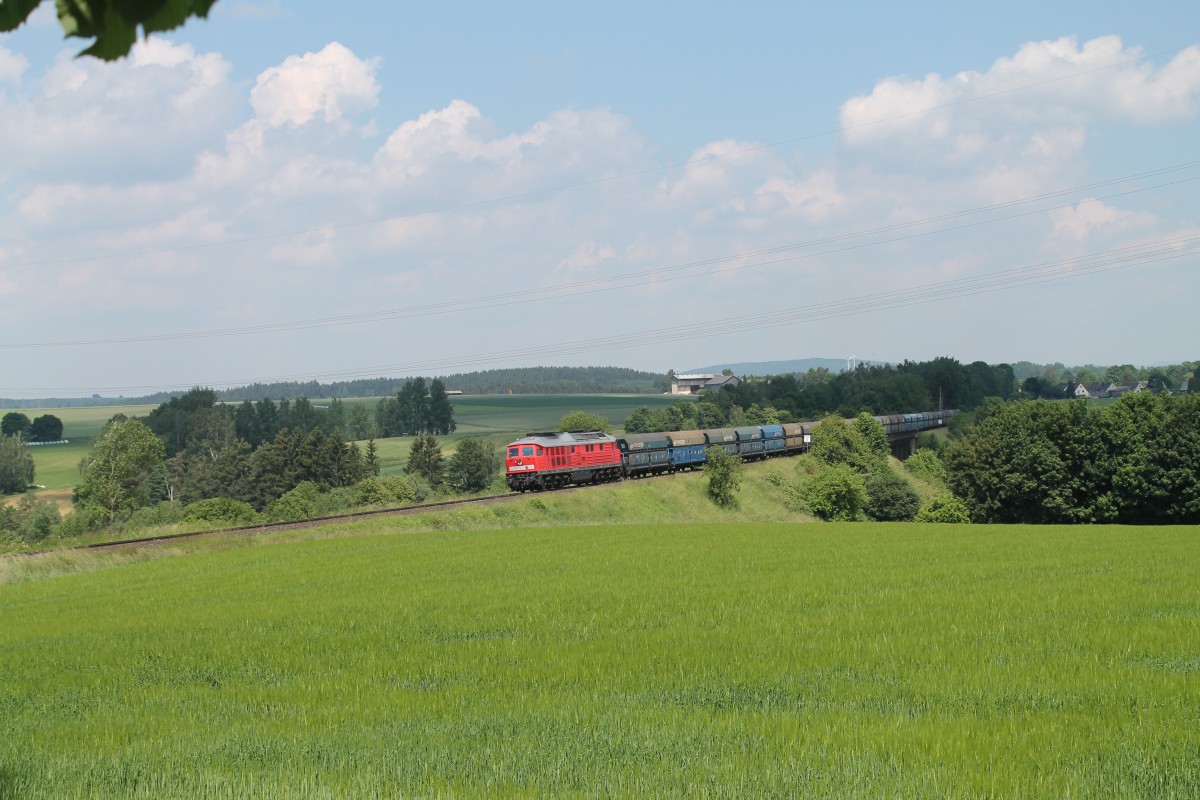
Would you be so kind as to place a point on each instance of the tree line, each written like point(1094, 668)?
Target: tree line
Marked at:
point(46, 428)
point(1048, 377)
point(527, 380)
point(415, 410)
point(878, 389)
point(1136, 461)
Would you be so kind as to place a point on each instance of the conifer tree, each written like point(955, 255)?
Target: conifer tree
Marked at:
point(372, 458)
point(425, 459)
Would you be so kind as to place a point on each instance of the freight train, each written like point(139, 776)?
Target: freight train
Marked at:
point(541, 461)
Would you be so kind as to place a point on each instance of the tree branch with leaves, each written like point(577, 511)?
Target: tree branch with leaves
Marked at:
point(112, 25)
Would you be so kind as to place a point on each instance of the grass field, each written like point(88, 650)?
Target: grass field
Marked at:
point(852, 660)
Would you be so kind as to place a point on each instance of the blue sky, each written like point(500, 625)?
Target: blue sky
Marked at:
point(288, 192)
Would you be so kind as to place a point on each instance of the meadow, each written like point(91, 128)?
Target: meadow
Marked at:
point(726, 659)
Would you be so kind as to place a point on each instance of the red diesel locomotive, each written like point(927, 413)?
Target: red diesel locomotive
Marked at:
point(551, 460)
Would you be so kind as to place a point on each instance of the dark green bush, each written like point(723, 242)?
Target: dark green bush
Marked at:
point(222, 510)
point(890, 498)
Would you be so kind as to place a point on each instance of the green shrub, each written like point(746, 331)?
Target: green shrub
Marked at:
point(84, 519)
point(836, 441)
point(407, 489)
point(890, 498)
point(724, 473)
point(928, 465)
point(945, 509)
point(222, 510)
point(299, 503)
point(932, 442)
point(335, 501)
point(10, 521)
point(161, 514)
point(836, 493)
point(40, 518)
point(372, 492)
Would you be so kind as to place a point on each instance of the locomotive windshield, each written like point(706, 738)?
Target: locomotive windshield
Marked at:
point(513, 451)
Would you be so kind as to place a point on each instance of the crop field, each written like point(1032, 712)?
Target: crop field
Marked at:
point(836, 660)
point(541, 412)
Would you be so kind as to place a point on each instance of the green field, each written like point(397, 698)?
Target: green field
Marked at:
point(498, 416)
point(519, 414)
point(852, 660)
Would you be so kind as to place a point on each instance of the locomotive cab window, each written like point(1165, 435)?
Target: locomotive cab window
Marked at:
point(514, 451)
point(527, 450)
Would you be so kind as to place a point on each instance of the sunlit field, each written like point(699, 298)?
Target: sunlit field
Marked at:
point(852, 660)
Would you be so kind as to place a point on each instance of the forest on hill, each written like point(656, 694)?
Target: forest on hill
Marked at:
point(520, 380)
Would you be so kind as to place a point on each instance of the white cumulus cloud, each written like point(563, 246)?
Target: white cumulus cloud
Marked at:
point(331, 84)
point(1045, 85)
point(12, 65)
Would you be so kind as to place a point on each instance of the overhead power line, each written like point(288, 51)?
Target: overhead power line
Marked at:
point(641, 278)
point(1147, 253)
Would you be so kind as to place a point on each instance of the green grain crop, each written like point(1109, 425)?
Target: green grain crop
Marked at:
point(852, 660)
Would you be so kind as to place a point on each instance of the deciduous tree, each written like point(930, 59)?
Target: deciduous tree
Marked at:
point(1034, 462)
point(15, 423)
point(890, 498)
point(724, 473)
point(46, 428)
point(124, 455)
point(111, 24)
point(578, 421)
point(361, 426)
point(873, 435)
point(16, 465)
point(836, 493)
point(440, 412)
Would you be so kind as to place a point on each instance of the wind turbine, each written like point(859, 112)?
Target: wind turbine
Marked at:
point(850, 363)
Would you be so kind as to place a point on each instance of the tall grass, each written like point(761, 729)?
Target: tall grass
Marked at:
point(725, 659)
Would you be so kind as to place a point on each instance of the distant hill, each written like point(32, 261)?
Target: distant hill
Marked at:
point(779, 367)
point(521, 380)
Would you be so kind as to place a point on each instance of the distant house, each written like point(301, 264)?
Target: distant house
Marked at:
point(1102, 389)
point(1074, 390)
point(719, 382)
point(689, 384)
point(1183, 386)
point(1132, 388)
point(694, 384)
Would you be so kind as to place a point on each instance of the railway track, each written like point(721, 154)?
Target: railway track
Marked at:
point(274, 527)
point(301, 524)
